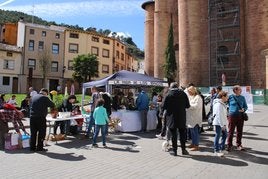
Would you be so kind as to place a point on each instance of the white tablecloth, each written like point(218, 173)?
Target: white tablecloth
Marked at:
point(130, 120)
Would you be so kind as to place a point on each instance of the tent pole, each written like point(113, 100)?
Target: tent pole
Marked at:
point(83, 96)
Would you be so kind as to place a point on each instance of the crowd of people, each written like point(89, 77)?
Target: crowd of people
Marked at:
point(179, 110)
point(183, 112)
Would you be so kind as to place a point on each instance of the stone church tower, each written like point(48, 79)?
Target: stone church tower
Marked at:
point(212, 38)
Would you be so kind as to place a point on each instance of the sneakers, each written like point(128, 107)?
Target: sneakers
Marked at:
point(159, 136)
point(219, 154)
point(241, 148)
point(185, 152)
point(95, 145)
point(224, 152)
point(104, 146)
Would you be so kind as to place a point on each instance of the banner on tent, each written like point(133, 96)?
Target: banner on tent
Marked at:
point(142, 83)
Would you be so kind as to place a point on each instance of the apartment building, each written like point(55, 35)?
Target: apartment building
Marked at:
point(41, 45)
point(59, 46)
point(119, 56)
point(131, 63)
point(81, 42)
point(10, 63)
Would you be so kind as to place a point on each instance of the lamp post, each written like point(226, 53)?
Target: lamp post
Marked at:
point(62, 80)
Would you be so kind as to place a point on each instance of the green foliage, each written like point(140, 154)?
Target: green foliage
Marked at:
point(170, 65)
point(14, 17)
point(85, 67)
point(58, 100)
point(105, 32)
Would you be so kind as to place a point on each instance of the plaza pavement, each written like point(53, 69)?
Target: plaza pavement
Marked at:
point(137, 155)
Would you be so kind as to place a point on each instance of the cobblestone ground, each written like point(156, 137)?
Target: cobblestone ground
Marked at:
point(136, 155)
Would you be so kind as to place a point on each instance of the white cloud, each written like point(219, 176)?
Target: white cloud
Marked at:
point(6, 2)
point(124, 34)
point(90, 8)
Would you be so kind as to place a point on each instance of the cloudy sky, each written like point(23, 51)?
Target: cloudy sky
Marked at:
point(124, 16)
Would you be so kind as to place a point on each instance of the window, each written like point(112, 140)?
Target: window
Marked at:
point(32, 31)
point(9, 64)
point(117, 54)
point(31, 63)
point(70, 65)
point(40, 45)
point(9, 54)
point(31, 45)
point(44, 33)
point(117, 44)
point(95, 51)
point(106, 41)
point(55, 48)
point(105, 68)
point(95, 39)
point(105, 53)
point(74, 35)
point(6, 80)
point(54, 66)
point(122, 57)
point(122, 47)
point(73, 48)
point(57, 36)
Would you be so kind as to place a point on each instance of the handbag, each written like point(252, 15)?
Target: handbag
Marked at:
point(211, 118)
point(244, 115)
point(24, 141)
point(11, 141)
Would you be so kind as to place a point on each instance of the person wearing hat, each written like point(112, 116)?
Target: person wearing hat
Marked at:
point(38, 113)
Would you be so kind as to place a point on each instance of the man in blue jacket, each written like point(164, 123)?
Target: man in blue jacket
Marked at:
point(143, 107)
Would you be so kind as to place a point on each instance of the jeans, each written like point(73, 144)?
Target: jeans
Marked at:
point(96, 133)
point(195, 135)
point(90, 120)
point(219, 133)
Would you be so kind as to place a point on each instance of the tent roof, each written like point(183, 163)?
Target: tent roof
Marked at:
point(127, 78)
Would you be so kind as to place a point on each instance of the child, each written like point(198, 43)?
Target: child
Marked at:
point(101, 118)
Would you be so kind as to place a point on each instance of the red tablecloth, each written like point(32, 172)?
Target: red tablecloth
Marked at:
point(13, 116)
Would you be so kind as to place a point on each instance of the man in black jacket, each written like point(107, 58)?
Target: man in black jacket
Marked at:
point(175, 104)
point(38, 113)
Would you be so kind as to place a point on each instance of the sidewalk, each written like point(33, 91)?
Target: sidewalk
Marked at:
point(136, 155)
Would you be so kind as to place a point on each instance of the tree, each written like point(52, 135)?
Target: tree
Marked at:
point(85, 67)
point(44, 59)
point(170, 65)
